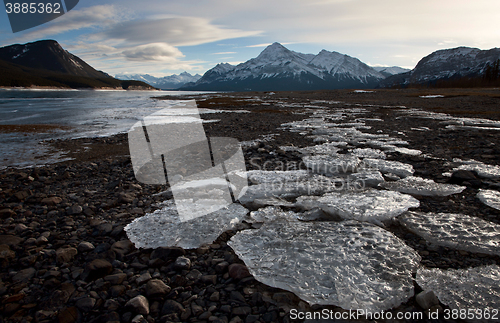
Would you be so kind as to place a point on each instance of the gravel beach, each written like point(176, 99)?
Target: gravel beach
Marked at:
point(64, 255)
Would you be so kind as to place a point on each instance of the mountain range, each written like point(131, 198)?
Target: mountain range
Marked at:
point(171, 82)
point(278, 68)
point(46, 63)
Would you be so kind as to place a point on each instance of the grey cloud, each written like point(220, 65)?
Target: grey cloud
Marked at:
point(153, 52)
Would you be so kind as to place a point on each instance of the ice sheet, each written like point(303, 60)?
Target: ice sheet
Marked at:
point(490, 198)
point(325, 164)
point(423, 186)
point(349, 264)
point(164, 228)
point(370, 205)
point(474, 290)
point(457, 231)
point(368, 153)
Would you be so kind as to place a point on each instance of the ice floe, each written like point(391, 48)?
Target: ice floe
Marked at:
point(368, 153)
point(457, 231)
point(407, 151)
point(164, 228)
point(261, 176)
point(349, 264)
point(329, 148)
point(326, 164)
point(389, 166)
point(370, 205)
point(474, 291)
point(482, 170)
point(490, 198)
point(423, 186)
point(366, 178)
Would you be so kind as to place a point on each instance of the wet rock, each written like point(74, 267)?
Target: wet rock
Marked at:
point(65, 255)
point(122, 247)
point(460, 176)
point(426, 299)
point(68, 315)
point(139, 304)
point(86, 304)
point(167, 253)
point(143, 278)
point(85, 246)
point(7, 213)
point(24, 275)
point(10, 240)
point(182, 263)
point(172, 307)
point(238, 271)
point(75, 209)
point(115, 279)
point(97, 268)
point(54, 200)
point(157, 288)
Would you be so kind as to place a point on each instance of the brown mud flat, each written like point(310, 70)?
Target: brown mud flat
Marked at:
point(65, 256)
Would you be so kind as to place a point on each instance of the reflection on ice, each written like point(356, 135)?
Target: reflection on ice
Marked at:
point(457, 231)
point(350, 264)
point(474, 289)
point(165, 228)
point(490, 198)
point(423, 186)
point(371, 205)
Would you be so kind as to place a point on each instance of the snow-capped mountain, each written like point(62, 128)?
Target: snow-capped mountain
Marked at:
point(390, 70)
point(447, 64)
point(278, 68)
point(171, 82)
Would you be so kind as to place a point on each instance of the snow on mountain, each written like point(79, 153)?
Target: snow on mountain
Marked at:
point(167, 83)
point(391, 70)
point(278, 68)
point(446, 64)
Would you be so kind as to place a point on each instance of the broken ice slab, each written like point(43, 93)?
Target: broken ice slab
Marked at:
point(329, 148)
point(366, 178)
point(482, 170)
point(314, 185)
point(389, 166)
point(325, 164)
point(475, 289)
point(368, 153)
point(422, 186)
point(457, 231)
point(408, 151)
point(490, 198)
point(270, 214)
point(370, 205)
point(164, 228)
point(261, 176)
point(349, 264)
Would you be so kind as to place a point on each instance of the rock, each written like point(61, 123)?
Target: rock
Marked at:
point(238, 271)
point(427, 299)
point(10, 240)
point(242, 310)
point(172, 307)
point(460, 176)
point(139, 319)
point(65, 255)
point(143, 278)
point(209, 279)
point(85, 246)
point(69, 315)
point(97, 268)
point(75, 209)
point(182, 263)
point(85, 304)
point(52, 200)
point(215, 297)
point(6, 255)
point(167, 253)
point(122, 247)
point(139, 304)
point(21, 195)
point(24, 275)
point(116, 279)
point(157, 288)
point(117, 290)
point(7, 213)
point(194, 275)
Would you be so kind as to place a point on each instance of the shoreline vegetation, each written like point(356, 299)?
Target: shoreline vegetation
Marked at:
point(65, 256)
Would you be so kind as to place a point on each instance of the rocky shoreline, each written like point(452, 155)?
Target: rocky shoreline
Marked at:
point(65, 257)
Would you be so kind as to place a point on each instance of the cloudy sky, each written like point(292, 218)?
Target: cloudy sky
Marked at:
point(171, 36)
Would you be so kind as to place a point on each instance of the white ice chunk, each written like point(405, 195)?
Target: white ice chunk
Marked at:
point(389, 166)
point(490, 198)
point(260, 176)
point(324, 164)
point(164, 228)
point(329, 148)
point(407, 151)
point(367, 178)
point(272, 213)
point(457, 231)
point(349, 264)
point(475, 289)
point(482, 170)
point(370, 205)
point(368, 153)
point(423, 186)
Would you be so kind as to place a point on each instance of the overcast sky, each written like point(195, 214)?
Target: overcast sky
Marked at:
point(166, 37)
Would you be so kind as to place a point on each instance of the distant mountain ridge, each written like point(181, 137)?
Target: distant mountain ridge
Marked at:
point(46, 63)
point(446, 65)
point(278, 68)
point(170, 82)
